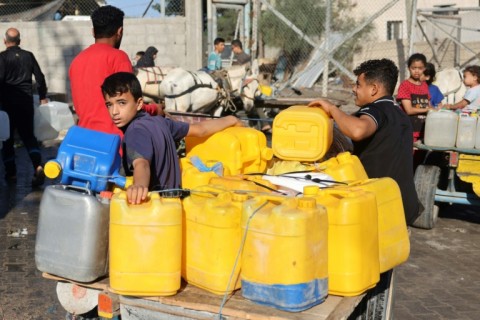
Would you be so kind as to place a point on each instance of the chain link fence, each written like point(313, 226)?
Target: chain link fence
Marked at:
point(41, 10)
point(308, 38)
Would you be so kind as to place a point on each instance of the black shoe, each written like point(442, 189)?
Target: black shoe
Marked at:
point(38, 177)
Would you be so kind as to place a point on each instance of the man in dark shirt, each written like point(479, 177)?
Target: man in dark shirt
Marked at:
point(381, 132)
point(17, 100)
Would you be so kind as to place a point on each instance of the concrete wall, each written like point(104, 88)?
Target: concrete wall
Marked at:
point(56, 43)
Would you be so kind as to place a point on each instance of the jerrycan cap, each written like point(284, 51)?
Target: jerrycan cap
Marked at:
point(106, 194)
point(310, 190)
point(306, 203)
point(52, 169)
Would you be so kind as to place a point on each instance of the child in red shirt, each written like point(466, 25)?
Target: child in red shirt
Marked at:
point(413, 94)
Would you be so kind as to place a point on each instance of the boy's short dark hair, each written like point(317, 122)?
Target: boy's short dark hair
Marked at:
point(474, 70)
point(430, 71)
point(384, 71)
point(122, 82)
point(417, 57)
point(218, 40)
point(106, 21)
point(237, 43)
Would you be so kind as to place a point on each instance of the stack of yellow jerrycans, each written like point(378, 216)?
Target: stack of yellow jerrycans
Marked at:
point(236, 229)
point(72, 233)
point(239, 151)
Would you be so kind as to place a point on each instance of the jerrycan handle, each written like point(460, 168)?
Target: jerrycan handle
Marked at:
point(80, 189)
point(274, 198)
point(214, 190)
point(345, 193)
point(120, 181)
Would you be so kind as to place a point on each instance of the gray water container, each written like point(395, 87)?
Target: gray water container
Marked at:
point(72, 234)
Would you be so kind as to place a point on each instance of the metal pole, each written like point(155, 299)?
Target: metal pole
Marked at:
point(327, 56)
point(477, 55)
point(413, 21)
point(209, 26)
point(434, 52)
point(248, 8)
point(459, 38)
point(256, 12)
point(148, 7)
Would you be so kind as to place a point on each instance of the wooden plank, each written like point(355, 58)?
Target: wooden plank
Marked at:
point(190, 297)
point(193, 298)
point(100, 284)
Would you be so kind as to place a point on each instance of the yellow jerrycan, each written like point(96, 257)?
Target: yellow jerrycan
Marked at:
point(284, 260)
point(212, 236)
point(394, 244)
point(255, 153)
point(353, 264)
point(221, 147)
point(301, 133)
point(193, 177)
point(240, 150)
point(145, 246)
point(344, 167)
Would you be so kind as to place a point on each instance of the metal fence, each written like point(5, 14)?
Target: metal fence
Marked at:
point(310, 38)
point(41, 10)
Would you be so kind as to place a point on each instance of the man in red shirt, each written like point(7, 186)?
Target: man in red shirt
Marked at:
point(90, 68)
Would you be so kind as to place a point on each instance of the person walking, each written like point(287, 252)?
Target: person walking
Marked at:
point(17, 100)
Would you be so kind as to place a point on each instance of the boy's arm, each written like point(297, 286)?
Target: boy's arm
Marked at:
point(353, 127)
point(138, 191)
point(209, 127)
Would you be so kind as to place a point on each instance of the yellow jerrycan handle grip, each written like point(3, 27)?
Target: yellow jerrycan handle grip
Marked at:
point(122, 195)
point(276, 198)
point(217, 191)
point(315, 190)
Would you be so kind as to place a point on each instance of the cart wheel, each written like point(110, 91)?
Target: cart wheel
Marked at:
point(426, 181)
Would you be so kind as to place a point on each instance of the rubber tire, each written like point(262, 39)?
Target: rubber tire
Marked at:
point(378, 302)
point(426, 180)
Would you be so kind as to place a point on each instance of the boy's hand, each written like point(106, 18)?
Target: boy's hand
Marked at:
point(238, 122)
point(137, 194)
point(327, 106)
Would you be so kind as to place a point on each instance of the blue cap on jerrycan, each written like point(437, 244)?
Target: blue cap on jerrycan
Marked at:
point(87, 158)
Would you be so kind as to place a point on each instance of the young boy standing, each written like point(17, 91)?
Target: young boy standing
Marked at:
point(471, 99)
point(381, 132)
point(149, 141)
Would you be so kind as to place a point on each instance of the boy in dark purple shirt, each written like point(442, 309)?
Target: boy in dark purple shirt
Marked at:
point(149, 141)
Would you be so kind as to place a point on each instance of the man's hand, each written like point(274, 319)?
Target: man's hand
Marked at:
point(137, 194)
point(44, 101)
point(327, 106)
